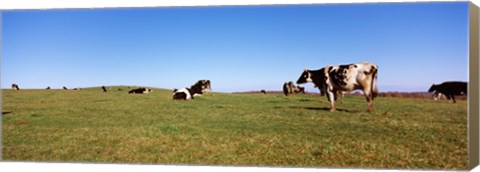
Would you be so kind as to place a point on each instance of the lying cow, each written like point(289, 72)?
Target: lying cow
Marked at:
point(140, 90)
point(334, 79)
point(197, 89)
point(449, 89)
point(290, 88)
point(438, 96)
point(15, 87)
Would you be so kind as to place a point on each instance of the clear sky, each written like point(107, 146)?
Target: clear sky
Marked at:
point(238, 48)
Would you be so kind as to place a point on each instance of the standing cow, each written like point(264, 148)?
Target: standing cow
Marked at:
point(451, 88)
point(334, 79)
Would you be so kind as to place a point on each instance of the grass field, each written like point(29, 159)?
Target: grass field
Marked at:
point(89, 125)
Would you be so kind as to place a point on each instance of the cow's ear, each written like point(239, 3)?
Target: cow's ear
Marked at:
point(306, 70)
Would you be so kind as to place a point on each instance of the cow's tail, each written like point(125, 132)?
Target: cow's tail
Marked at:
point(374, 88)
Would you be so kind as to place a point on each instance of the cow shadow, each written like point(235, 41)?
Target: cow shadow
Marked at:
point(304, 100)
point(6, 112)
point(320, 109)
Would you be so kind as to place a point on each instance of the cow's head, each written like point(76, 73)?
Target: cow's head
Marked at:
point(305, 77)
point(204, 84)
point(432, 88)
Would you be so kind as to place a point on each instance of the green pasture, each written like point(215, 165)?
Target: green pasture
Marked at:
point(225, 129)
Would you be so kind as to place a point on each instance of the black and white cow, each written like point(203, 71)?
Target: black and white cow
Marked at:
point(140, 90)
point(290, 88)
point(104, 88)
point(197, 89)
point(334, 79)
point(15, 87)
point(451, 88)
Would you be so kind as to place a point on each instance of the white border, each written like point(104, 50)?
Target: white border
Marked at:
point(62, 4)
point(74, 4)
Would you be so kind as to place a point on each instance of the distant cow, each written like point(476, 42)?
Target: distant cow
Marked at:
point(290, 88)
point(263, 91)
point(332, 79)
point(140, 90)
point(104, 88)
point(197, 89)
point(65, 88)
point(15, 87)
point(449, 89)
point(48, 88)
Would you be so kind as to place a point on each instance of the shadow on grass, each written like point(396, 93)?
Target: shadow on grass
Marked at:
point(5, 113)
point(316, 108)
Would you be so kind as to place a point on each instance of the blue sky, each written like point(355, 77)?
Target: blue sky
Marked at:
point(238, 48)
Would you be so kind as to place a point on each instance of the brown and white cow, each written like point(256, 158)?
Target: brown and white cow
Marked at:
point(332, 79)
point(290, 88)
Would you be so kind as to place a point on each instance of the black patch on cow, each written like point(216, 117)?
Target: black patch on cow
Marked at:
point(180, 96)
point(338, 76)
point(344, 66)
point(285, 89)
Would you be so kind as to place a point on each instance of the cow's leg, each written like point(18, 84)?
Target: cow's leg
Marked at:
point(453, 98)
point(448, 97)
point(340, 95)
point(369, 96)
point(331, 95)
